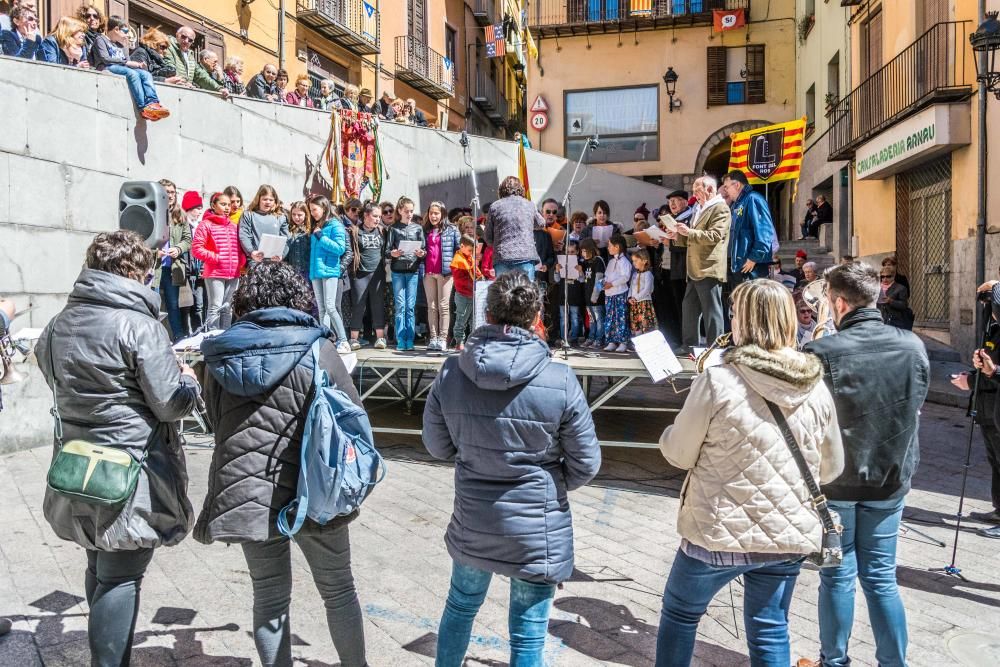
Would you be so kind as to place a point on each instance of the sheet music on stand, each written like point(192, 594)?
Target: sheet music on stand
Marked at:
point(654, 351)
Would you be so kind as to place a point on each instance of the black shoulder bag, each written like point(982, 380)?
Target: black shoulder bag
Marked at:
point(831, 553)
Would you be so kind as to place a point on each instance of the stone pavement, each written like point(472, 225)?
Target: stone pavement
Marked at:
point(196, 599)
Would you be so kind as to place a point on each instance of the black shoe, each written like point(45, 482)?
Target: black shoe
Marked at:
point(986, 517)
point(992, 533)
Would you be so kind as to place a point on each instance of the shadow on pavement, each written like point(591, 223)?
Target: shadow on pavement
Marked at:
point(953, 587)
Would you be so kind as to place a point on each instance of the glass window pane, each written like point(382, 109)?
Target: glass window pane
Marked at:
point(617, 111)
point(637, 148)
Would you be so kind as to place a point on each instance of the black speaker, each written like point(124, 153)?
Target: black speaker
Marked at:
point(143, 209)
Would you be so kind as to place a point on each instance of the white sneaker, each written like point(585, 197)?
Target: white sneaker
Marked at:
point(610, 347)
point(355, 344)
point(343, 347)
point(432, 345)
point(380, 344)
point(622, 348)
point(443, 344)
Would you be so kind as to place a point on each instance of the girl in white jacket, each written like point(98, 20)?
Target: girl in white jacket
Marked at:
point(616, 279)
point(745, 509)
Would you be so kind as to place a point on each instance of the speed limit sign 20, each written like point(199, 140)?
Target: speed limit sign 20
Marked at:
point(539, 121)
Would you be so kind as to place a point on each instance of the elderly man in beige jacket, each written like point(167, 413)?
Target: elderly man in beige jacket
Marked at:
point(707, 241)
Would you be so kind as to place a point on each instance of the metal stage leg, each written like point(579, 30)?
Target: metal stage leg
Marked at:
point(610, 392)
point(383, 380)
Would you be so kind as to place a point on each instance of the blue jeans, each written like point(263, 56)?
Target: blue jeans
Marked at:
point(328, 295)
point(404, 292)
point(171, 298)
point(140, 84)
point(575, 322)
point(690, 588)
point(596, 333)
point(506, 267)
point(527, 620)
point(869, 543)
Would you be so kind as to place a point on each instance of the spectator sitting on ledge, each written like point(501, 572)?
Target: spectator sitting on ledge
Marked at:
point(280, 83)
point(180, 57)
point(208, 74)
point(109, 54)
point(95, 20)
point(67, 45)
point(150, 51)
point(262, 86)
point(327, 95)
point(300, 96)
point(23, 40)
point(233, 76)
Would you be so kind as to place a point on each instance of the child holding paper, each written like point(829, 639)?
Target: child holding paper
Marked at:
point(616, 281)
point(405, 250)
point(264, 216)
point(575, 290)
point(592, 271)
point(642, 317)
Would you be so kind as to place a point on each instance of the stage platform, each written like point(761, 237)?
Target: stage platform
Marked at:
point(404, 378)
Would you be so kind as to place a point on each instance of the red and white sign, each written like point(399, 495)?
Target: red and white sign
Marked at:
point(539, 120)
point(539, 105)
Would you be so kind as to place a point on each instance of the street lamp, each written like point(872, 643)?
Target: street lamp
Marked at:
point(670, 80)
point(985, 43)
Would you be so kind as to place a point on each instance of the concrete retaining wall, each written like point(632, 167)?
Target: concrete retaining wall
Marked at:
point(71, 137)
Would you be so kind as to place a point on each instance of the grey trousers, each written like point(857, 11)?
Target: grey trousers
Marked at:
point(328, 552)
point(113, 581)
point(220, 302)
point(702, 300)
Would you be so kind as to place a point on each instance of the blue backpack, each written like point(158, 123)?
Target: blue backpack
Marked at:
point(340, 465)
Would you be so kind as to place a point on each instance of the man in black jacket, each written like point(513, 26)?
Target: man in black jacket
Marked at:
point(878, 376)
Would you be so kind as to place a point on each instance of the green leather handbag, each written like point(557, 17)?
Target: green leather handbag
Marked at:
point(95, 474)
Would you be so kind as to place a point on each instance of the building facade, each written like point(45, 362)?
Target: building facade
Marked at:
point(601, 66)
point(908, 129)
point(822, 78)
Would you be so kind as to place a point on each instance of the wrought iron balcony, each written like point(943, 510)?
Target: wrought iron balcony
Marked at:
point(424, 68)
point(935, 68)
point(488, 97)
point(563, 18)
point(486, 12)
point(353, 24)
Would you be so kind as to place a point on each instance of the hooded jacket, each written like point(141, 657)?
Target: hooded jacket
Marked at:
point(327, 250)
point(216, 243)
point(258, 389)
point(744, 492)
point(521, 435)
point(879, 376)
point(119, 385)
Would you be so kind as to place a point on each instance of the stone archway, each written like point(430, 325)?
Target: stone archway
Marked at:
point(722, 135)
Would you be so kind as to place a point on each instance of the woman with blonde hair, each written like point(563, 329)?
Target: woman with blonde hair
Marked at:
point(350, 99)
point(67, 45)
point(745, 507)
point(300, 96)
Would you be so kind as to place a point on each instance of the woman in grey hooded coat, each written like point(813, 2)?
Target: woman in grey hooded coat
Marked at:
point(108, 360)
point(521, 435)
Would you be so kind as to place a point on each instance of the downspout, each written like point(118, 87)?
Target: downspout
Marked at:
point(981, 177)
point(281, 34)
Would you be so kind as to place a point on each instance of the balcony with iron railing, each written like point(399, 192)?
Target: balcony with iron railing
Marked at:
point(564, 18)
point(937, 67)
point(423, 68)
point(490, 99)
point(353, 24)
point(486, 12)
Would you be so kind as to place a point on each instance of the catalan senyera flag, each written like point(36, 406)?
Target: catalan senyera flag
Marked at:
point(640, 7)
point(769, 154)
point(728, 19)
point(522, 169)
point(496, 41)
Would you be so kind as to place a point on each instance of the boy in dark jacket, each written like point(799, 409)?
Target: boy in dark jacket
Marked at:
point(878, 376)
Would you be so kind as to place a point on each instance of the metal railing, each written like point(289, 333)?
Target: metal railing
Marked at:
point(486, 12)
point(934, 68)
point(354, 24)
point(552, 14)
point(424, 68)
point(485, 94)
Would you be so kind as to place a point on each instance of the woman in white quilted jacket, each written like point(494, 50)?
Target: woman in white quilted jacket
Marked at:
point(745, 509)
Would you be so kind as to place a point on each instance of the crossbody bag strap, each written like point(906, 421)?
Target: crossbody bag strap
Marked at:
point(818, 499)
point(58, 428)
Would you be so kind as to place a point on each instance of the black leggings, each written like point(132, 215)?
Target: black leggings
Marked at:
point(368, 293)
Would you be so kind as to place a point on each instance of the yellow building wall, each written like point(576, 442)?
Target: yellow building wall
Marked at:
point(632, 59)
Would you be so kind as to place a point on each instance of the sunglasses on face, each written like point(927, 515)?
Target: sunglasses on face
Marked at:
point(886, 277)
point(186, 39)
point(93, 16)
point(550, 212)
point(387, 211)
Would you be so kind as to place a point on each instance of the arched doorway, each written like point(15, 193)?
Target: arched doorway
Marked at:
point(713, 158)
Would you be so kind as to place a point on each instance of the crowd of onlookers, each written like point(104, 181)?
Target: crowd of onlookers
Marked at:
point(89, 39)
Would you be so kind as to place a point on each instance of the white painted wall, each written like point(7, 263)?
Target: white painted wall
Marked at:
point(71, 137)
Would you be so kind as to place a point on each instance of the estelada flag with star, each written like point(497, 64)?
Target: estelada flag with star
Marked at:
point(769, 154)
point(728, 19)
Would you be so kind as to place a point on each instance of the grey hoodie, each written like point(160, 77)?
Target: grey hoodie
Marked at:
point(518, 427)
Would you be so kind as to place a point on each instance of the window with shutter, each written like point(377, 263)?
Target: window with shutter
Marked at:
point(716, 75)
point(755, 74)
point(118, 8)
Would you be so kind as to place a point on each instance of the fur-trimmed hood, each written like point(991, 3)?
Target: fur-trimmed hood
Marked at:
point(784, 376)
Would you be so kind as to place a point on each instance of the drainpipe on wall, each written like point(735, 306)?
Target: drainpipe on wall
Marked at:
point(377, 93)
point(981, 155)
point(281, 34)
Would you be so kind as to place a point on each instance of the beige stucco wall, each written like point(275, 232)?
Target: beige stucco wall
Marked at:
point(600, 61)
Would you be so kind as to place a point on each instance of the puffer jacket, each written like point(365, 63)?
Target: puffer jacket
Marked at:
point(744, 492)
point(518, 427)
point(328, 247)
point(119, 385)
point(258, 382)
point(216, 243)
point(450, 239)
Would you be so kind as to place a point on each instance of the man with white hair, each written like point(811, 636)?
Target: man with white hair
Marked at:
point(208, 74)
point(180, 56)
point(809, 274)
point(707, 242)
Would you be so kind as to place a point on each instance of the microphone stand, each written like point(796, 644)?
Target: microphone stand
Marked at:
point(467, 158)
point(592, 143)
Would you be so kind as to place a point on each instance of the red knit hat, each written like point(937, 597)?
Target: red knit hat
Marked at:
point(801, 253)
point(191, 200)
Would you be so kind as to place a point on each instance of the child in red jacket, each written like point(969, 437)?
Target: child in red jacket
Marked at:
point(462, 267)
point(216, 243)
